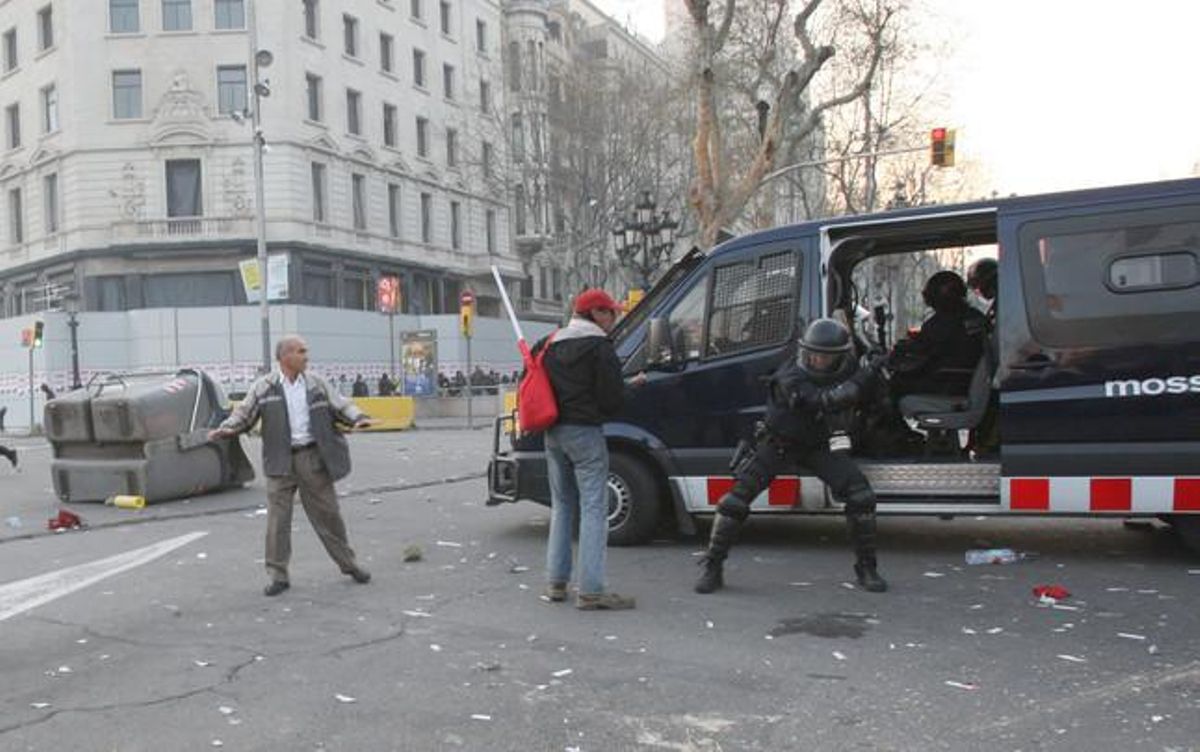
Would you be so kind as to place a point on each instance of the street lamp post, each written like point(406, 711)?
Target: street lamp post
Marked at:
point(260, 59)
point(643, 239)
point(71, 303)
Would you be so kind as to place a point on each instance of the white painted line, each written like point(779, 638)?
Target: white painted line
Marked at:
point(23, 595)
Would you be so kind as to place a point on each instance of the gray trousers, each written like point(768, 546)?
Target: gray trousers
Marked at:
point(319, 498)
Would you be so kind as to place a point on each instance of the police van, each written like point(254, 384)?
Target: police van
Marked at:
point(1090, 371)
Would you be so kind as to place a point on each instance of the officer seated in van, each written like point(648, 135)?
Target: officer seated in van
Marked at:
point(942, 356)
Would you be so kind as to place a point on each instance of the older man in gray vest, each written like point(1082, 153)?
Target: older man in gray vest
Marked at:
point(301, 451)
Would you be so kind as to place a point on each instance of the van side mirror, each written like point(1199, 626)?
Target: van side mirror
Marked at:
point(658, 344)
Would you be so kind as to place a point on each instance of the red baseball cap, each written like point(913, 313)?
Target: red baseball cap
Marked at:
point(595, 299)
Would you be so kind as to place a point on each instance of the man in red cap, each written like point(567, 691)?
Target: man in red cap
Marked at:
point(586, 375)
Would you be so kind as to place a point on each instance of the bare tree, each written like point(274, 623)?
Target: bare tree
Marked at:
point(743, 125)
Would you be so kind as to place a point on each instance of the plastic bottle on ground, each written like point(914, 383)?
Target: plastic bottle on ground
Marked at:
point(994, 556)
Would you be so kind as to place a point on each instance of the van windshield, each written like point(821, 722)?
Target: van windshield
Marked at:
point(641, 311)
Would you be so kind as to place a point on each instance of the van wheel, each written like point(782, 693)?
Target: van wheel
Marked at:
point(633, 503)
point(1187, 526)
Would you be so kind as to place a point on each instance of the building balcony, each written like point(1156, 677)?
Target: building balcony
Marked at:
point(183, 229)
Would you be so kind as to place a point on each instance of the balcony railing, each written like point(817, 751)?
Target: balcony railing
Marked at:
point(184, 228)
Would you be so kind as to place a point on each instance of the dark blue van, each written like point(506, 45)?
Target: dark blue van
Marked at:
point(1091, 371)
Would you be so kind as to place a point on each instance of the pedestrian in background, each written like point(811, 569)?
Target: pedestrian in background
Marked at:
point(301, 452)
point(586, 376)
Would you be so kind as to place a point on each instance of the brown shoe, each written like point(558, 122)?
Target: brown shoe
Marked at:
point(604, 602)
point(556, 592)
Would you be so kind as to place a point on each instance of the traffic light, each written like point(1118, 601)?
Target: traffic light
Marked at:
point(467, 320)
point(941, 147)
point(37, 333)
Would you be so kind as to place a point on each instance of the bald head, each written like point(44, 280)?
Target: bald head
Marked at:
point(292, 353)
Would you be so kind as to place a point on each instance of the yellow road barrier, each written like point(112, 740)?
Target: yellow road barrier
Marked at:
point(394, 413)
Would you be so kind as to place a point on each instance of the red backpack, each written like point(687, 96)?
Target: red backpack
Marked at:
point(537, 409)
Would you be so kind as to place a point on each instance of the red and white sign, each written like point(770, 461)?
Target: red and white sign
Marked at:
point(387, 294)
point(466, 298)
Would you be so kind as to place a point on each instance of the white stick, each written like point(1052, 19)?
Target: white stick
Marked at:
point(516, 325)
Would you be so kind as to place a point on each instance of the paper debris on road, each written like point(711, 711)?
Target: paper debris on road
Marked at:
point(708, 624)
point(995, 630)
point(435, 648)
point(39, 705)
point(449, 544)
point(201, 664)
point(839, 655)
point(968, 630)
point(935, 574)
point(226, 710)
point(418, 614)
point(563, 672)
point(345, 698)
point(480, 717)
point(1072, 658)
point(960, 685)
point(1129, 636)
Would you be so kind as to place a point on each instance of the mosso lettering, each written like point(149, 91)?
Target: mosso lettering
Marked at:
point(1152, 387)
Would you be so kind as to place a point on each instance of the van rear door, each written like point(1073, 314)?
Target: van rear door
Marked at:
point(1099, 316)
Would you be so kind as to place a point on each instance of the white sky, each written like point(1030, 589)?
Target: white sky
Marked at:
point(1058, 94)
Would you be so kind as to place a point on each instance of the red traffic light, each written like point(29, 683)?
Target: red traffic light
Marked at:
point(466, 297)
point(941, 147)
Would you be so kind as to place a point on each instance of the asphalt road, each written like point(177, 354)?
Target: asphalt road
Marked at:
point(457, 651)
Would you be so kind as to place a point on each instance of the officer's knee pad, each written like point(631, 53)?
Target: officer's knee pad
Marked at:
point(733, 507)
point(860, 500)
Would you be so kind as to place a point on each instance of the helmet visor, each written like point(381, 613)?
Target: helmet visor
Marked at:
point(820, 362)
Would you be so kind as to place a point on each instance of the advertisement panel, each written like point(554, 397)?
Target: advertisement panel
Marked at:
point(419, 362)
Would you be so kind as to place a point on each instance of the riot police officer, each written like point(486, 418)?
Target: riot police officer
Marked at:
point(810, 406)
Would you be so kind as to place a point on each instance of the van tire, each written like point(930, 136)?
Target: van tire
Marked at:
point(1187, 527)
point(633, 503)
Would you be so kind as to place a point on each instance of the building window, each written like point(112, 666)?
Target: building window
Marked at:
point(10, 50)
point(518, 137)
point(231, 89)
point(489, 229)
point(445, 9)
point(386, 56)
point(12, 117)
point(318, 192)
point(313, 88)
point(485, 97)
point(514, 66)
point(415, 9)
point(422, 137)
point(389, 125)
point(46, 28)
point(419, 68)
point(394, 210)
point(427, 217)
point(487, 157)
point(184, 192)
point(354, 112)
point(230, 14)
point(451, 147)
point(448, 80)
point(531, 53)
point(312, 21)
point(480, 35)
point(455, 225)
point(16, 217)
point(123, 17)
point(50, 202)
point(127, 94)
point(50, 109)
point(177, 15)
point(519, 206)
point(350, 34)
point(358, 191)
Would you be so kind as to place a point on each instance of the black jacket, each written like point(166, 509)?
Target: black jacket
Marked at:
point(802, 411)
point(948, 340)
point(585, 373)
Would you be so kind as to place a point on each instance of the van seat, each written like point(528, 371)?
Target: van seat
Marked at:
point(951, 412)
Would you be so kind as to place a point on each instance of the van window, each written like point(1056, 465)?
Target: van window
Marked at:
point(1111, 280)
point(753, 304)
point(686, 322)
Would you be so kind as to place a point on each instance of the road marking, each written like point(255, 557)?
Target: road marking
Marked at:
point(23, 595)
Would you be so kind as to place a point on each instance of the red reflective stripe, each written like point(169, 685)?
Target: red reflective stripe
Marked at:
point(1112, 494)
point(784, 492)
point(1187, 495)
point(718, 487)
point(1029, 494)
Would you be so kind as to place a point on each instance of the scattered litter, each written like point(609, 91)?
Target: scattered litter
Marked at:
point(1061, 607)
point(435, 648)
point(412, 552)
point(201, 555)
point(345, 698)
point(935, 574)
point(1157, 718)
point(488, 666)
point(449, 544)
point(563, 672)
point(960, 685)
point(1057, 592)
point(81, 641)
point(1116, 590)
point(64, 669)
point(708, 624)
point(226, 710)
point(839, 655)
point(13, 522)
point(374, 500)
point(1072, 658)
point(39, 705)
point(202, 664)
point(848, 586)
point(1152, 650)
point(995, 630)
point(65, 520)
point(976, 607)
point(1147, 592)
point(610, 637)
point(1129, 636)
point(428, 597)
point(993, 556)
point(518, 569)
point(418, 614)
point(218, 743)
point(799, 584)
point(968, 630)
point(480, 717)
point(260, 513)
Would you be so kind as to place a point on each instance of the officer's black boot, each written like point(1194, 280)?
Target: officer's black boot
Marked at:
point(862, 535)
point(712, 574)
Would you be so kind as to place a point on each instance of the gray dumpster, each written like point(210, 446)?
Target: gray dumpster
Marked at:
point(143, 435)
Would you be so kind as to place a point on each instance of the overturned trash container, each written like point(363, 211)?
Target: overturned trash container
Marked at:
point(143, 435)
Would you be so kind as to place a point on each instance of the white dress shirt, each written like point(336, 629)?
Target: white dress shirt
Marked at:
point(295, 394)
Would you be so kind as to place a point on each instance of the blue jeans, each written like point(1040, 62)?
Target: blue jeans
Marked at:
point(577, 463)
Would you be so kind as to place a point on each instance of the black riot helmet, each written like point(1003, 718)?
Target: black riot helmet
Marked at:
point(982, 277)
point(944, 291)
point(825, 350)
